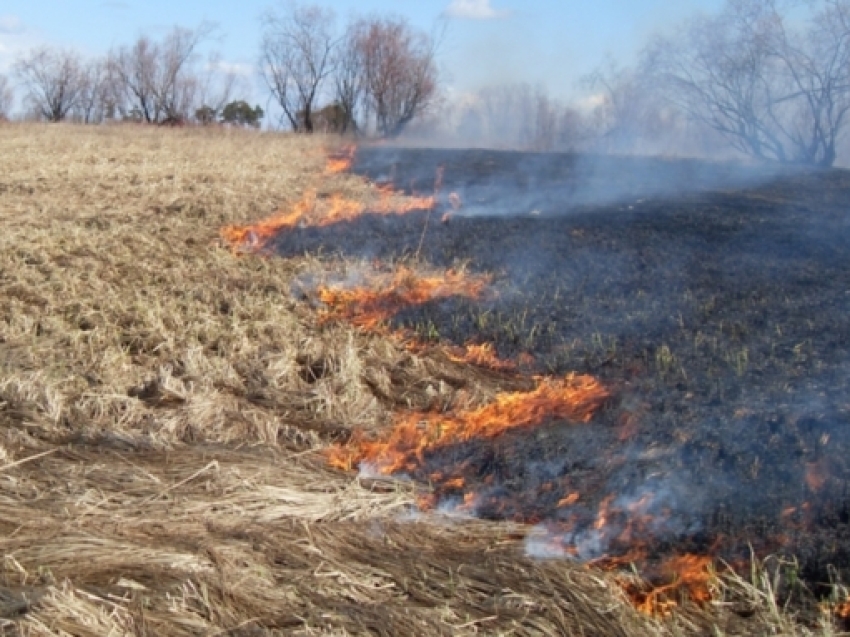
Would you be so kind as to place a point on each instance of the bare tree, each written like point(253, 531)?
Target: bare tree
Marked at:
point(349, 76)
point(7, 97)
point(399, 71)
point(92, 102)
point(514, 116)
point(159, 79)
point(296, 58)
point(214, 89)
point(135, 68)
point(54, 80)
point(628, 113)
point(774, 91)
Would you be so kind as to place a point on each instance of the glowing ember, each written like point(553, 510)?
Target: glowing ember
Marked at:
point(817, 474)
point(383, 297)
point(574, 398)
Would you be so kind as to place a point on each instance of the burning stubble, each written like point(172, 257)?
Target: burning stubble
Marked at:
point(632, 312)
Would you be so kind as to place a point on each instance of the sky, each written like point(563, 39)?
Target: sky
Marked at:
point(548, 42)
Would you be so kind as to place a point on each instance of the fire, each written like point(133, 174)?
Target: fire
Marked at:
point(312, 211)
point(341, 161)
point(574, 398)
point(255, 236)
point(481, 355)
point(569, 500)
point(384, 296)
point(688, 576)
point(843, 609)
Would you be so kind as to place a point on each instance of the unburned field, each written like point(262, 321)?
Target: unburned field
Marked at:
point(169, 402)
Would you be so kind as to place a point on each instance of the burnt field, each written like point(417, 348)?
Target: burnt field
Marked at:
point(712, 301)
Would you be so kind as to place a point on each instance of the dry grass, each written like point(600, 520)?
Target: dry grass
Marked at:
point(162, 418)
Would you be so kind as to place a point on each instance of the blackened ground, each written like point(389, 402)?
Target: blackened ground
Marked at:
point(713, 299)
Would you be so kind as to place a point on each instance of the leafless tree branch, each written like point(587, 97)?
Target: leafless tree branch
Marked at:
point(54, 79)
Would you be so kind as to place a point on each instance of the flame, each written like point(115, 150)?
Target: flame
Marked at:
point(843, 609)
point(574, 398)
point(690, 576)
point(310, 211)
point(569, 500)
point(341, 161)
point(383, 297)
point(481, 355)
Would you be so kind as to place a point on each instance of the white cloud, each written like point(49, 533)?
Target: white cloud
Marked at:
point(234, 68)
point(11, 24)
point(473, 10)
point(15, 40)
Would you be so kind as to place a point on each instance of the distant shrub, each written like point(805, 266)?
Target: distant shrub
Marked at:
point(240, 113)
point(205, 115)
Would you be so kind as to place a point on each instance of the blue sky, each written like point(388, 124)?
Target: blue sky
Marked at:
point(552, 42)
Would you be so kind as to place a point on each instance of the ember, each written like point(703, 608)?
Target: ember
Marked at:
point(843, 609)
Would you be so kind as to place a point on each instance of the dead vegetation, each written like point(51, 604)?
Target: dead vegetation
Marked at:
point(164, 403)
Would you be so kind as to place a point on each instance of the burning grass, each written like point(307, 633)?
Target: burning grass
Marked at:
point(574, 398)
point(380, 297)
point(165, 408)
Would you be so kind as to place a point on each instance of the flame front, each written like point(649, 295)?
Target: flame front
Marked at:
point(373, 304)
point(574, 398)
point(407, 446)
point(341, 161)
point(312, 211)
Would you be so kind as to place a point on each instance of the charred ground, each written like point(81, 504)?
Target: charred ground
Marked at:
point(713, 298)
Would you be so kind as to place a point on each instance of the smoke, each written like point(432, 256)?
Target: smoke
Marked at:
point(491, 183)
point(659, 510)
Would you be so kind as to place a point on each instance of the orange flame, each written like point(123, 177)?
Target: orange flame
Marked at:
point(341, 161)
point(335, 209)
point(481, 355)
point(320, 213)
point(843, 609)
point(372, 305)
point(574, 398)
point(691, 576)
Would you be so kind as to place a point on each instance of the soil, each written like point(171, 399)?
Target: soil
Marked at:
point(713, 300)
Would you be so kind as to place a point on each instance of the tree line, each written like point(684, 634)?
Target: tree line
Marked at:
point(375, 75)
point(766, 78)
